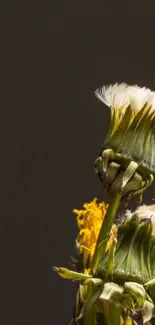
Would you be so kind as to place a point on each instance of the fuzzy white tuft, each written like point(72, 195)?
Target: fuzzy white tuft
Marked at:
point(138, 97)
point(143, 212)
point(114, 95)
point(123, 95)
point(151, 101)
point(147, 212)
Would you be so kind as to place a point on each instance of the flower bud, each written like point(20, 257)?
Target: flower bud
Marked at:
point(132, 133)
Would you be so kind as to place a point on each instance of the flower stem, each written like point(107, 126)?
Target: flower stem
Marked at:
point(90, 318)
point(108, 221)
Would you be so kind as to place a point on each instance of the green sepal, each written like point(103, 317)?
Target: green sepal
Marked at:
point(127, 301)
point(111, 290)
point(129, 172)
point(112, 125)
point(130, 145)
point(149, 283)
point(71, 275)
point(133, 185)
point(137, 291)
point(95, 282)
point(144, 185)
point(116, 136)
point(106, 156)
point(112, 171)
point(147, 311)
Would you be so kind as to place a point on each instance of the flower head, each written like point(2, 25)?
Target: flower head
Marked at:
point(89, 222)
point(132, 128)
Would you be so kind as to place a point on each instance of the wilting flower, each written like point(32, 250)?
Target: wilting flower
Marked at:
point(133, 278)
point(124, 283)
point(117, 277)
point(132, 128)
point(89, 221)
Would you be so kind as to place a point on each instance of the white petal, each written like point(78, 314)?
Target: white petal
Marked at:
point(122, 95)
point(138, 97)
point(114, 95)
point(151, 101)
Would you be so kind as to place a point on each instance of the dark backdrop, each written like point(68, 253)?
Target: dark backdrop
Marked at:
point(52, 58)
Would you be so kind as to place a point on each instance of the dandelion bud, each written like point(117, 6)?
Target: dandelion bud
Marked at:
point(132, 133)
point(128, 162)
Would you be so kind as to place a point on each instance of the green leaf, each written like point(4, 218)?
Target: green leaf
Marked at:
point(68, 274)
point(147, 311)
point(111, 290)
point(136, 290)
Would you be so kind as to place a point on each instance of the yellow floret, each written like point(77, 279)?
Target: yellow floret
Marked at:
point(89, 221)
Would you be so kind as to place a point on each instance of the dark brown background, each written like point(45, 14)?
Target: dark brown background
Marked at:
point(52, 58)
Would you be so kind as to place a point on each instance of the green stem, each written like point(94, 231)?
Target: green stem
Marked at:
point(90, 317)
point(114, 314)
point(105, 229)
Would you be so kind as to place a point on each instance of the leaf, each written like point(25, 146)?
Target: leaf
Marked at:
point(111, 290)
point(136, 290)
point(147, 311)
point(68, 274)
